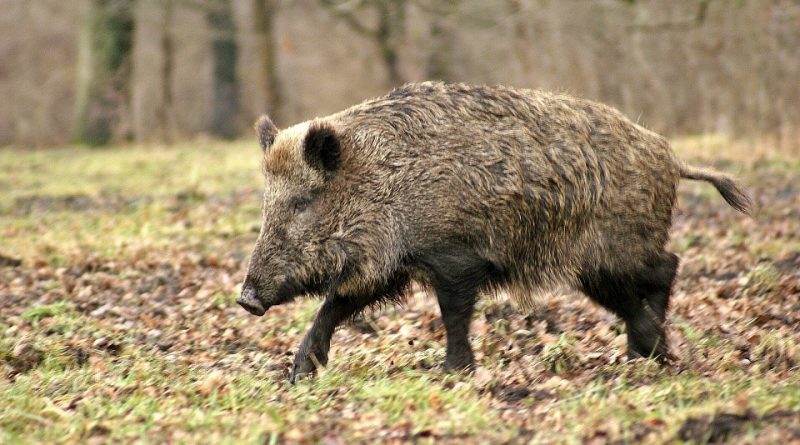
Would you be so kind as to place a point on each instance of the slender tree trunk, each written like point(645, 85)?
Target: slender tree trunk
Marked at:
point(520, 10)
point(225, 54)
point(166, 112)
point(264, 12)
point(104, 69)
point(390, 33)
point(390, 60)
point(440, 57)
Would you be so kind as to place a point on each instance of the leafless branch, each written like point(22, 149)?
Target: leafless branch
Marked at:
point(344, 11)
point(675, 25)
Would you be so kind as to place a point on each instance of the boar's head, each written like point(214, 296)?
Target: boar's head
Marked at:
point(299, 249)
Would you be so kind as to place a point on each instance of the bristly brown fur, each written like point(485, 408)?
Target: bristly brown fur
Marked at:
point(467, 190)
point(266, 131)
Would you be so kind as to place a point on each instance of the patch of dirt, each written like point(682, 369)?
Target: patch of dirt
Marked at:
point(113, 201)
point(7, 261)
point(721, 427)
point(714, 429)
point(517, 393)
point(107, 201)
point(789, 264)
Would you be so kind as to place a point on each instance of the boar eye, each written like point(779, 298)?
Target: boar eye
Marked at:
point(300, 204)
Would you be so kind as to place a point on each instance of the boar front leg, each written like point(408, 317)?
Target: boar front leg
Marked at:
point(317, 342)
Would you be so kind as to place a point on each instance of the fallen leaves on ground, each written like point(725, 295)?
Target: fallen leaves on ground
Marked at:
point(118, 322)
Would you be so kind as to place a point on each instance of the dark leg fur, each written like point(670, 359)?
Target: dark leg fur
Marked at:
point(640, 298)
point(456, 280)
point(656, 287)
point(457, 306)
point(317, 342)
point(336, 310)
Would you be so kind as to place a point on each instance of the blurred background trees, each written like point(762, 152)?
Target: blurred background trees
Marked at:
point(225, 106)
point(103, 69)
point(97, 71)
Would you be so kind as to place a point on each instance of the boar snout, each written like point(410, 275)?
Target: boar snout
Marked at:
point(249, 301)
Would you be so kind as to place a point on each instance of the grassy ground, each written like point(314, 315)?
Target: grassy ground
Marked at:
point(119, 322)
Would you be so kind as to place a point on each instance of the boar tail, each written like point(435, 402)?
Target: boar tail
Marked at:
point(730, 190)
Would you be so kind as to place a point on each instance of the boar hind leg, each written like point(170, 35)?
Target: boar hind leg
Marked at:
point(656, 286)
point(317, 342)
point(456, 281)
point(457, 306)
point(640, 298)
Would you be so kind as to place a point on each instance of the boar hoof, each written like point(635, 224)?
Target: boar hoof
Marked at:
point(660, 357)
point(304, 366)
point(456, 364)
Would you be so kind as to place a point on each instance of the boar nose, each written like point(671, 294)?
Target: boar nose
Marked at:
point(249, 302)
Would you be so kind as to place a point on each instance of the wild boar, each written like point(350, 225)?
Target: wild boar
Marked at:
point(468, 190)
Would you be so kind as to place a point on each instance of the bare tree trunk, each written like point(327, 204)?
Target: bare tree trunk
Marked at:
point(264, 12)
point(104, 69)
point(166, 112)
point(388, 35)
point(440, 50)
point(225, 53)
point(520, 10)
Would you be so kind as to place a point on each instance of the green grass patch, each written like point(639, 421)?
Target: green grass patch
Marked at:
point(121, 323)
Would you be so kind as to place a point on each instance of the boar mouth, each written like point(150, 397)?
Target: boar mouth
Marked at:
point(257, 304)
point(250, 302)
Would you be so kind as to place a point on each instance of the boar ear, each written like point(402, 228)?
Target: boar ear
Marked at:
point(321, 147)
point(266, 131)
